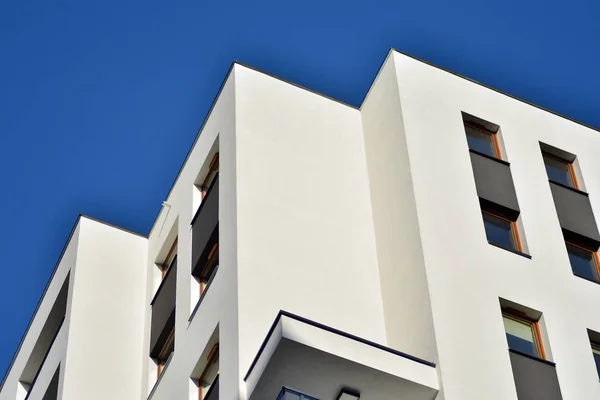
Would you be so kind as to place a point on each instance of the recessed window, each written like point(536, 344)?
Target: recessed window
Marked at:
point(584, 262)
point(209, 269)
point(523, 334)
point(560, 170)
point(170, 260)
point(165, 352)
point(596, 353)
point(501, 231)
point(163, 306)
point(482, 140)
point(210, 377)
point(213, 171)
point(205, 269)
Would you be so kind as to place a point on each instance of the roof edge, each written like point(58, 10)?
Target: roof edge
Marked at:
point(212, 106)
point(497, 90)
point(391, 50)
point(100, 221)
point(189, 153)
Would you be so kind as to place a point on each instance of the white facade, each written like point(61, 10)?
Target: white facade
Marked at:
point(351, 253)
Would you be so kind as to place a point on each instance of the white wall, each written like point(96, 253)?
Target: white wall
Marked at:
point(466, 275)
point(408, 320)
point(104, 354)
point(304, 226)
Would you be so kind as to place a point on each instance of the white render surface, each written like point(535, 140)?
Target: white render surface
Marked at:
point(364, 219)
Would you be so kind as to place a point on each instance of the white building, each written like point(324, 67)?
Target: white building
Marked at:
point(438, 242)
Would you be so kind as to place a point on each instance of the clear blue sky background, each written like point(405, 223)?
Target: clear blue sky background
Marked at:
point(100, 101)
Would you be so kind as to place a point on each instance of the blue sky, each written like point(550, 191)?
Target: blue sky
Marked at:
point(100, 101)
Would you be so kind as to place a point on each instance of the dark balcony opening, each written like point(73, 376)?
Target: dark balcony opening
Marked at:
point(162, 330)
point(204, 224)
point(46, 339)
point(205, 241)
point(208, 261)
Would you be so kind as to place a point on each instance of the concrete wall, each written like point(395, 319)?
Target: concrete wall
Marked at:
point(304, 226)
point(466, 275)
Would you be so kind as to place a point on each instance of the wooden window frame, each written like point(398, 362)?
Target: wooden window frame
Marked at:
point(171, 255)
point(212, 167)
point(513, 227)
point(162, 357)
point(569, 166)
point(594, 256)
point(495, 143)
point(214, 250)
point(535, 325)
point(214, 353)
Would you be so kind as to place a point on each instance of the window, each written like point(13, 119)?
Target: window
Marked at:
point(165, 352)
point(162, 322)
point(560, 171)
point(170, 260)
point(596, 353)
point(210, 376)
point(523, 334)
point(584, 262)
point(209, 269)
point(289, 394)
point(205, 268)
point(213, 170)
point(482, 140)
point(500, 230)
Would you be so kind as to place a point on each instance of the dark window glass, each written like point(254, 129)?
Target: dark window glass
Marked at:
point(499, 231)
point(289, 394)
point(596, 351)
point(480, 141)
point(582, 262)
point(168, 348)
point(211, 265)
point(558, 170)
point(520, 336)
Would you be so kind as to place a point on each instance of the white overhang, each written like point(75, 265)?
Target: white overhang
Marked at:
point(320, 361)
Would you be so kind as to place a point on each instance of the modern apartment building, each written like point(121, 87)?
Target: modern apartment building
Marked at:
point(438, 242)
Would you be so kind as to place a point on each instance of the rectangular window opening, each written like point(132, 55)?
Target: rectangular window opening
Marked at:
point(560, 170)
point(523, 334)
point(584, 261)
point(170, 260)
point(163, 308)
point(482, 140)
point(205, 232)
point(501, 227)
point(213, 171)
